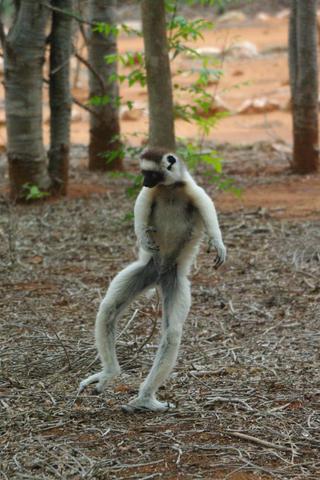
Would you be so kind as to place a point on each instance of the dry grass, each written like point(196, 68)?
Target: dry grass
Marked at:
point(247, 381)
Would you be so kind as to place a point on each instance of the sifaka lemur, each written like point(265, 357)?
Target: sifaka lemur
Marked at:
point(171, 215)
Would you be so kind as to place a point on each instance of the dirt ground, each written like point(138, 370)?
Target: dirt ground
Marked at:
point(246, 386)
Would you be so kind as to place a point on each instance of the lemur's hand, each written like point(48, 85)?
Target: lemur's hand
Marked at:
point(147, 241)
point(221, 252)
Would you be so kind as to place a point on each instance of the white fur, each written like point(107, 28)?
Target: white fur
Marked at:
point(170, 219)
point(148, 165)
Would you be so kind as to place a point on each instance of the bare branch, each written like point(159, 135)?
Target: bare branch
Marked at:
point(90, 67)
point(69, 13)
point(250, 438)
point(2, 32)
point(76, 101)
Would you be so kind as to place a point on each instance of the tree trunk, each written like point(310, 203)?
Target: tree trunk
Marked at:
point(60, 97)
point(303, 66)
point(105, 152)
point(23, 59)
point(161, 118)
point(293, 49)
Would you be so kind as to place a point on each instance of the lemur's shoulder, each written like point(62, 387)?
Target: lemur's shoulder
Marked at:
point(192, 189)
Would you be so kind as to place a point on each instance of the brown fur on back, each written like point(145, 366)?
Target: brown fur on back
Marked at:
point(154, 154)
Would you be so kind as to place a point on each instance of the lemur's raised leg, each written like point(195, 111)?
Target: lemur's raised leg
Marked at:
point(176, 301)
point(123, 289)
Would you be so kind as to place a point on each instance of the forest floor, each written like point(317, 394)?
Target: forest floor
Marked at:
point(246, 386)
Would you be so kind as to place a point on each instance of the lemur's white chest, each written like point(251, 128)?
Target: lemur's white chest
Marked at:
point(175, 220)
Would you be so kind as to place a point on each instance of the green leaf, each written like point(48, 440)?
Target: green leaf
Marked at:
point(106, 29)
point(33, 192)
point(128, 217)
point(97, 101)
point(111, 58)
point(213, 160)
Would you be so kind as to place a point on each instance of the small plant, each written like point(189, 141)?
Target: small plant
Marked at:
point(33, 192)
point(193, 155)
point(136, 180)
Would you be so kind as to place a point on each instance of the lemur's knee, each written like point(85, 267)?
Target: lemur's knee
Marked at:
point(108, 311)
point(173, 336)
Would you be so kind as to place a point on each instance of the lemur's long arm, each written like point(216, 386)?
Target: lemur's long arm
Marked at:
point(142, 211)
point(205, 205)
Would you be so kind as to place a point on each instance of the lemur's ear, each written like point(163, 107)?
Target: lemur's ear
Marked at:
point(171, 159)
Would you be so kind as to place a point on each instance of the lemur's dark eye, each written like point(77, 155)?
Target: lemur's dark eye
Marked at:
point(171, 159)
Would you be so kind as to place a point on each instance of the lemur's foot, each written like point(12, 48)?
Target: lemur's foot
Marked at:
point(101, 379)
point(146, 404)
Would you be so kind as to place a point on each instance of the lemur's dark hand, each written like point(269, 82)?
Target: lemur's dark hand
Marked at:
point(221, 252)
point(147, 241)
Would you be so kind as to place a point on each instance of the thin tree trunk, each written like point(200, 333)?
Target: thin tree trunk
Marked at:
point(161, 118)
point(60, 97)
point(303, 67)
point(23, 59)
point(105, 152)
point(293, 49)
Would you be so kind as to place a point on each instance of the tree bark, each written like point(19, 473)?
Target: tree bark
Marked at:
point(293, 49)
point(161, 118)
point(23, 60)
point(105, 141)
point(303, 66)
point(60, 97)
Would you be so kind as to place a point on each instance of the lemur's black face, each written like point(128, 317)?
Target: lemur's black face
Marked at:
point(152, 178)
point(159, 166)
